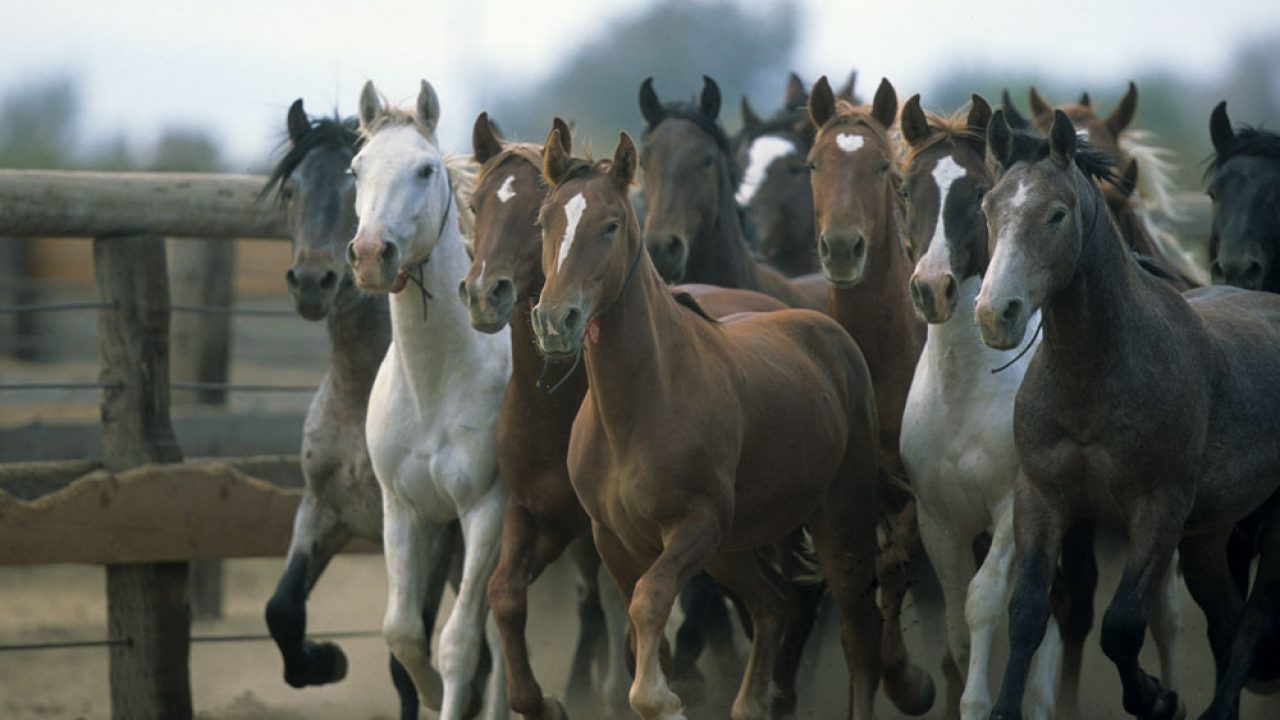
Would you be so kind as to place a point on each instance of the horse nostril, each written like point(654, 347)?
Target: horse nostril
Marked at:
point(388, 252)
point(501, 292)
point(1012, 311)
point(950, 290)
point(1215, 270)
point(328, 280)
point(573, 321)
point(914, 287)
point(463, 295)
point(291, 279)
point(673, 246)
point(859, 247)
point(824, 247)
point(1253, 272)
point(351, 252)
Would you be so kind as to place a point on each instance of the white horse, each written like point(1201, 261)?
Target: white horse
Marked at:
point(957, 430)
point(435, 401)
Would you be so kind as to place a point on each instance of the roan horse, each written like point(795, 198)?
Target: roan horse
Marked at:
point(701, 443)
point(774, 193)
point(543, 514)
point(692, 227)
point(341, 498)
point(1244, 184)
point(957, 428)
point(434, 404)
point(1141, 409)
point(859, 237)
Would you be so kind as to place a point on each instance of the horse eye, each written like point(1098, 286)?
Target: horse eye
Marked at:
point(286, 194)
point(813, 167)
point(425, 171)
point(613, 228)
point(352, 172)
point(708, 160)
point(1058, 216)
point(1213, 194)
point(884, 168)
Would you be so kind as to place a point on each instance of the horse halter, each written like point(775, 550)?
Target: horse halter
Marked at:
point(426, 294)
point(577, 358)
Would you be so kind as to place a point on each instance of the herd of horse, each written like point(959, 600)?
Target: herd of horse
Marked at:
point(857, 351)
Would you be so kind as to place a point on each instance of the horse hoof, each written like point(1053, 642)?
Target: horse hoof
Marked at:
point(323, 663)
point(553, 710)
point(784, 705)
point(1168, 706)
point(911, 692)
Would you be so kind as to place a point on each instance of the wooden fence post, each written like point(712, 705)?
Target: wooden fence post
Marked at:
point(147, 603)
point(200, 274)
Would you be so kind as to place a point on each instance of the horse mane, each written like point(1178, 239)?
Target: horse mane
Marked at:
point(463, 172)
point(944, 128)
point(341, 132)
point(1251, 141)
point(687, 300)
point(528, 152)
point(1095, 163)
point(1156, 191)
point(389, 117)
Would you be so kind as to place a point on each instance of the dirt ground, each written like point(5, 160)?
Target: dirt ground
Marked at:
point(242, 681)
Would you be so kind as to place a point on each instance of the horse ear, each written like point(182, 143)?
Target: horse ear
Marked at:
point(1041, 110)
point(428, 107)
point(650, 105)
point(709, 103)
point(793, 96)
point(555, 159)
point(822, 102)
point(1000, 138)
point(297, 121)
point(485, 142)
point(979, 115)
point(884, 106)
point(846, 91)
point(1124, 112)
point(370, 105)
point(623, 168)
point(915, 126)
point(1085, 100)
point(1220, 129)
point(750, 121)
point(1062, 139)
point(1011, 114)
point(1128, 181)
point(566, 134)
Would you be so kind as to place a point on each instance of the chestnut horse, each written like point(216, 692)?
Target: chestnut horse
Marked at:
point(702, 443)
point(1142, 409)
point(860, 246)
point(692, 227)
point(340, 498)
point(543, 514)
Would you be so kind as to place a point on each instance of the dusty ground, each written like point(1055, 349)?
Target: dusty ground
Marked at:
point(241, 681)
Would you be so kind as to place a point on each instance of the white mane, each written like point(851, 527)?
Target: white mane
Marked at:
point(1157, 202)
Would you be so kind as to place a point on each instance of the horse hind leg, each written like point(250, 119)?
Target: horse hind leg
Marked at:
point(906, 684)
point(1076, 583)
point(705, 624)
point(1166, 624)
point(592, 646)
point(804, 615)
point(318, 535)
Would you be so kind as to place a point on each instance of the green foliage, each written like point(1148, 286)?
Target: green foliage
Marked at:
point(38, 124)
point(675, 41)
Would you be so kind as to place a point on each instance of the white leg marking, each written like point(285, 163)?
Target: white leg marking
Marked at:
point(849, 143)
point(763, 152)
point(988, 597)
point(506, 192)
point(572, 213)
point(1166, 624)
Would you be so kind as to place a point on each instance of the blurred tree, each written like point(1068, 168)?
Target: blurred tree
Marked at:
point(745, 50)
point(38, 124)
point(185, 150)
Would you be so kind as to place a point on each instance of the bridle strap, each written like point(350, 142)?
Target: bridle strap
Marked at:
point(426, 294)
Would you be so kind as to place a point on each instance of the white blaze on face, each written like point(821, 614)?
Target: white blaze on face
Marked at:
point(849, 143)
point(764, 151)
point(1083, 134)
point(1019, 196)
point(505, 192)
point(572, 214)
point(945, 173)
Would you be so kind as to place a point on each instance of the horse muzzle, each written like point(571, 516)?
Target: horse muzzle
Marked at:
point(559, 329)
point(843, 256)
point(489, 308)
point(375, 264)
point(313, 289)
point(670, 254)
point(934, 296)
point(1002, 322)
point(1245, 271)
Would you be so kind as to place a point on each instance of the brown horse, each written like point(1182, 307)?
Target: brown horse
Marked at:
point(860, 245)
point(701, 443)
point(692, 226)
point(1142, 409)
point(543, 514)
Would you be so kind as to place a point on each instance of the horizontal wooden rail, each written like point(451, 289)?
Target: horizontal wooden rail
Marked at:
point(40, 203)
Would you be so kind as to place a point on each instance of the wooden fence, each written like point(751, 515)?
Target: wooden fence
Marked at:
point(142, 512)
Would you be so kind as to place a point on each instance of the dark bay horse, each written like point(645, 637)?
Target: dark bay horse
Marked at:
point(543, 514)
point(702, 443)
point(1244, 184)
point(692, 227)
point(341, 499)
point(860, 245)
point(774, 193)
point(1142, 409)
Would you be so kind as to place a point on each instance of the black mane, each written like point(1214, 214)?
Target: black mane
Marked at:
point(324, 131)
point(1094, 162)
point(1248, 140)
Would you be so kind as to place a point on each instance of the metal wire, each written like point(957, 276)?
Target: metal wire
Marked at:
point(128, 642)
point(63, 386)
point(197, 309)
point(241, 388)
point(217, 310)
point(54, 307)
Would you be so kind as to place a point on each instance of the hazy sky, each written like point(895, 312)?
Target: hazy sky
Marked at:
point(234, 66)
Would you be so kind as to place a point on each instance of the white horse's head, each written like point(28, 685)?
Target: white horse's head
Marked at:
point(403, 190)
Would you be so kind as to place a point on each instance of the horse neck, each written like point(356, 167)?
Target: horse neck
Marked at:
point(1086, 324)
point(722, 257)
point(641, 337)
point(877, 312)
point(435, 348)
point(359, 332)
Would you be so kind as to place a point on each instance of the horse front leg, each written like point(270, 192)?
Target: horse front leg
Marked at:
point(906, 684)
point(437, 565)
point(1079, 582)
point(951, 551)
point(318, 535)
